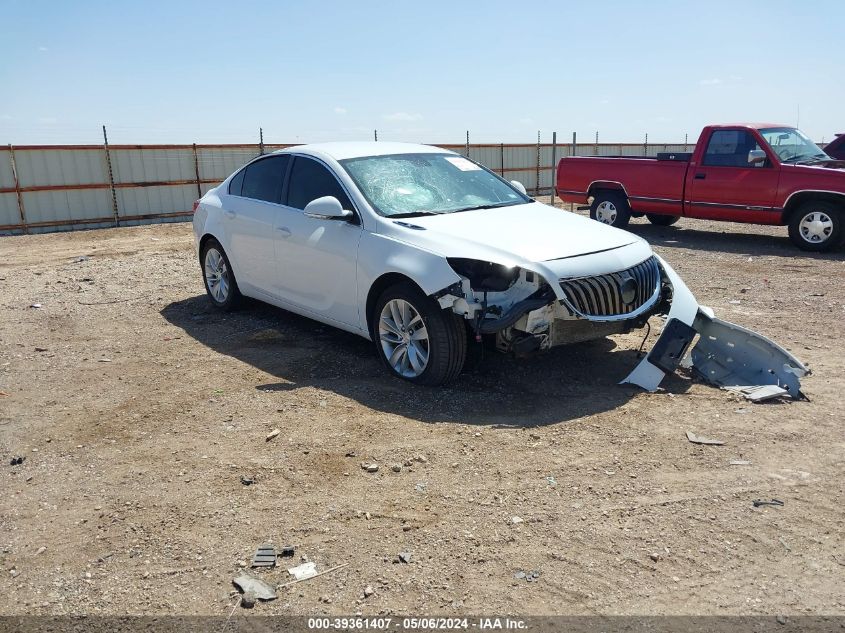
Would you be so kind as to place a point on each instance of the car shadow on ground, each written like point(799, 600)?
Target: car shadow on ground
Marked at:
point(728, 241)
point(563, 384)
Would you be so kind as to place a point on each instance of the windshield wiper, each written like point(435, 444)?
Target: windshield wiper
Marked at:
point(412, 214)
point(489, 206)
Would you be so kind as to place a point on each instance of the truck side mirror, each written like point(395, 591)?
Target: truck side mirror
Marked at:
point(756, 157)
point(519, 187)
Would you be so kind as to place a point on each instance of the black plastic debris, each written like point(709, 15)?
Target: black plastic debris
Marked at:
point(265, 556)
point(17, 460)
point(761, 502)
point(287, 551)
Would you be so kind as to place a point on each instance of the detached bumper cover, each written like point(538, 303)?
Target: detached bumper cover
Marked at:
point(725, 354)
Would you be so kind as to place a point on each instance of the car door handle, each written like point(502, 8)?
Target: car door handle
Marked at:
point(229, 214)
point(283, 231)
point(700, 176)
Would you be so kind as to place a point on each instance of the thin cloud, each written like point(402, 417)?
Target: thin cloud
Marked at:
point(48, 120)
point(402, 116)
point(710, 82)
point(339, 110)
point(43, 49)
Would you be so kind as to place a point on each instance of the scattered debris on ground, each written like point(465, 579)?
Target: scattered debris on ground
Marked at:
point(773, 502)
point(759, 393)
point(248, 583)
point(304, 571)
point(272, 435)
point(697, 439)
point(265, 556)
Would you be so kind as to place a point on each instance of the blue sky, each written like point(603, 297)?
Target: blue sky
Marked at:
point(159, 72)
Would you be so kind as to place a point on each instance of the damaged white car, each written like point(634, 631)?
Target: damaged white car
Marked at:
point(424, 251)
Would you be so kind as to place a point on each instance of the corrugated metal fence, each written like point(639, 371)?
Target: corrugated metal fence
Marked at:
point(61, 187)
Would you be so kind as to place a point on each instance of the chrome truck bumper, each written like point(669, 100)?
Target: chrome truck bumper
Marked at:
point(724, 354)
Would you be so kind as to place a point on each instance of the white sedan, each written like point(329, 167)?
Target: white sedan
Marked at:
point(424, 251)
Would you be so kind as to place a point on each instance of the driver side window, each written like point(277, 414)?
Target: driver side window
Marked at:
point(310, 180)
point(729, 148)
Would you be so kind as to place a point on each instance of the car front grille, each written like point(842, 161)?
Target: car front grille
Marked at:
point(614, 294)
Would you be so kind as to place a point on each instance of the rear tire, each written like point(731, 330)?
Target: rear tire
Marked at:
point(816, 226)
point(610, 207)
point(662, 220)
point(415, 338)
point(218, 276)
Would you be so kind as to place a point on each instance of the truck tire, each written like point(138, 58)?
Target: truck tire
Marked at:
point(662, 220)
point(817, 226)
point(610, 207)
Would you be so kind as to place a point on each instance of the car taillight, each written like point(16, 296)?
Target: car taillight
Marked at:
point(196, 204)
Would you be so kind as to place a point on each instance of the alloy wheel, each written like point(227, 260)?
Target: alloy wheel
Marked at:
point(216, 275)
point(404, 338)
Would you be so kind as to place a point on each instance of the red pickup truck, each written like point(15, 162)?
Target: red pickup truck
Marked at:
point(757, 174)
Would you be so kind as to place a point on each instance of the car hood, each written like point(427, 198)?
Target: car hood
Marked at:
point(523, 234)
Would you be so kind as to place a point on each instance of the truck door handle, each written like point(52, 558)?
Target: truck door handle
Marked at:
point(700, 176)
point(283, 230)
point(229, 214)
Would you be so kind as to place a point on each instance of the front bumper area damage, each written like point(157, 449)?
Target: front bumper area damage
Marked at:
point(724, 354)
point(527, 314)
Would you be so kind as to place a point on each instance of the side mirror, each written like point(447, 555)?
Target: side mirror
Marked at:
point(756, 157)
point(326, 208)
point(519, 187)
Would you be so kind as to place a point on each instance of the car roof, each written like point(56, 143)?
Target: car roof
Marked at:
point(352, 149)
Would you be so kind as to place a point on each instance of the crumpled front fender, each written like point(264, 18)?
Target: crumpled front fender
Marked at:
point(725, 354)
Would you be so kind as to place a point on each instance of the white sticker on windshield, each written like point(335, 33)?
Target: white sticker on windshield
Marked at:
point(462, 163)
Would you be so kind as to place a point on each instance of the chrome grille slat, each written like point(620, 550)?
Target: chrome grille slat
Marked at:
point(601, 295)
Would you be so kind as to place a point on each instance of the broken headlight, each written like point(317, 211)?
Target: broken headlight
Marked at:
point(485, 276)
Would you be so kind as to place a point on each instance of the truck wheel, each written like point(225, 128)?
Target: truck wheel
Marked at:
point(662, 220)
point(816, 226)
point(610, 207)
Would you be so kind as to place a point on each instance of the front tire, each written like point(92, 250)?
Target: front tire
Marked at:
point(662, 220)
point(218, 276)
point(416, 339)
point(610, 207)
point(816, 226)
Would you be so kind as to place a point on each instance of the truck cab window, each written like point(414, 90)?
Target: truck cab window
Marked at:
point(729, 148)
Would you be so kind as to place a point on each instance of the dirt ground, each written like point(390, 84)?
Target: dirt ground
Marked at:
point(139, 410)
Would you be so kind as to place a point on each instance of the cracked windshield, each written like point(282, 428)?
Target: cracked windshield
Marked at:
point(409, 185)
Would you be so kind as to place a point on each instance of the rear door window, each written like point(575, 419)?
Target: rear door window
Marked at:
point(310, 180)
point(729, 148)
point(263, 178)
point(236, 184)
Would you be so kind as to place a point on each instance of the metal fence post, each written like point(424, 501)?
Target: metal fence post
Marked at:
point(375, 135)
point(21, 210)
point(686, 141)
point(467, 145)
point(574, 143)
point(537, 172)
point(645, 145)
point(111, 178)
point(502, 157)
point(596, 146)
point(554, 171)
point(261, 141)
point(197, 172)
